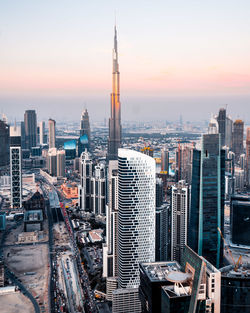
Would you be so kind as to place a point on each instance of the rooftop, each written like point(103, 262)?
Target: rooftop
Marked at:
point(243, 271)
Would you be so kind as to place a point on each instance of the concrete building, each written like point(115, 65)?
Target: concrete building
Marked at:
point(60, 161)
point(238, 132)
point(136, 215)
point(42, 133)
point(179, 219)
point(52, 133)
point(30, 124)
point(2, 274)
point(16, 167)
point(184, 158)
point(52, 161)
point(165, 160)
point(221, 118)
point(86, 173)
point(98, 190)
point(126, 301)
point(110, 263)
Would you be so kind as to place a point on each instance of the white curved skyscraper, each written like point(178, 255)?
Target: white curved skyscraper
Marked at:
point(136, 215)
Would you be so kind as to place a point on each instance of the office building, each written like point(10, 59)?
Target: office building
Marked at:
point(148, 151)
point(83, 144)
point(70, 149)
point(4, 143)
point(23, 136)
point(16, 167)
point(126, 301)
point(239, 176)
point(42, 133)
point(239, 220)
point(52, 161)
point(164, 160)
point(98, 190)
point(213, 127)
point(179, 219)
point(52, 133)
point(136, 215)
point(229, 132)
point(60, 163)
point(110, 263)
point(2, 273)
point(235, 289)
point(162, 232)
point(190, 286)
point(114, 139)
point(238, 132)
point(30, 124)
point(86, 173)
point(207, 200)
point(184, 157)
point(221, 118)
point(3, 215)
point(85, 126)
point(248, 157)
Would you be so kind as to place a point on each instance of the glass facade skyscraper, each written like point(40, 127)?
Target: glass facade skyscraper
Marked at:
point(207, 200)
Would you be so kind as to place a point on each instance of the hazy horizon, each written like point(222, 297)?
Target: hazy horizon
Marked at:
point(188, 58)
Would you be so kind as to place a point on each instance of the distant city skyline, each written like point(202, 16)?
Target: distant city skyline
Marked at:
point(183, 57)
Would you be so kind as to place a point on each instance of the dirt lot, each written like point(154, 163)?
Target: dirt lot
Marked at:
point(15, 303)
point(30, 264)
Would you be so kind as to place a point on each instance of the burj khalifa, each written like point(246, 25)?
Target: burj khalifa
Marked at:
point(114, 140)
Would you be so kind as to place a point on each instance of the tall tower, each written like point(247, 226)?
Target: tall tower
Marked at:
point(85, 126)
point(248, 156)
point(52, 133)
point(30, 123)
point(16, 167)
point(207, 200)
point(4, 143)
point(179, 219)
point(136, 215)
point(238, 132)
point(42, 133)
point(114, 140)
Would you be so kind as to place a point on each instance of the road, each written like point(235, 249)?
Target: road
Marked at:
point(12, 277)
point(16, 282)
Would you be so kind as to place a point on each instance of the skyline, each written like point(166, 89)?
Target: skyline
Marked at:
point(197, 58)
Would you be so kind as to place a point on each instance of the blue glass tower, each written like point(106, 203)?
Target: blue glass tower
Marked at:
point(207, 200)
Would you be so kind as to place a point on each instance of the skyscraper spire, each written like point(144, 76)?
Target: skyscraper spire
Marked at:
point(114, 140)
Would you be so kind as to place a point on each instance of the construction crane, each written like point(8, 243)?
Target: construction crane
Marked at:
point(236, 264)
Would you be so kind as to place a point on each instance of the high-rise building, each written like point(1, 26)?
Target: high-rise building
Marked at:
point(248, 157)
point(52, 133)
point(60, 163)
point(98, 190)
point(85, 126)
point(229, 132)
point(23, 136)
point(16, 166)
point(4, 143)
point(235, 288)
point(207, 200)
point(192, 286)
point(184, 157)
point(239, 220)
point(110, 263)
point(114, 140)
point(52, 161)
point(136, 215)
point(42, 133)
point(213, 127)
point(162, 232)
point(30, 124)
point(179, 219)
point(164, 160)
point(221, 118)
point(86, 173)
point(238, 131)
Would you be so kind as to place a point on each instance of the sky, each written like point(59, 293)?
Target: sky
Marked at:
point(176, 57)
